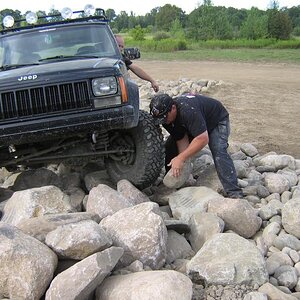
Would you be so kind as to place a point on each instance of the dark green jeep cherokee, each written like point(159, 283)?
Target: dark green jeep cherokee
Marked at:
point(66, 96)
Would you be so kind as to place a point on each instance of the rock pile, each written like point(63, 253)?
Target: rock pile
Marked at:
point(71, 234)
point(66, 235)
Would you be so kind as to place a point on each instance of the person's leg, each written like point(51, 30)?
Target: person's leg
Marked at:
point(171, 151)
point(218, 144)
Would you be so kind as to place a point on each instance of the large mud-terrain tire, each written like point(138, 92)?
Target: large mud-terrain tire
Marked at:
point(147, 160)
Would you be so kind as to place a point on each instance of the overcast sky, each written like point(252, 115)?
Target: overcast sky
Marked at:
point(139, 7)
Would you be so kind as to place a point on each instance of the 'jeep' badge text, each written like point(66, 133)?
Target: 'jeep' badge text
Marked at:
point(29, 77)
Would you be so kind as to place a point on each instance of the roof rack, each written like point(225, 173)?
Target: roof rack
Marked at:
point(99, 14)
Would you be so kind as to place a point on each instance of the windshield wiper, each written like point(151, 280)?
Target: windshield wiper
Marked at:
point(15, 66)
point(62, 57)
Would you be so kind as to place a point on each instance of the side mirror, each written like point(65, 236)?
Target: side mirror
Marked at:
point(132, 53)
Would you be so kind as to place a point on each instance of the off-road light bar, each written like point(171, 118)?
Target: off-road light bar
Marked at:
point(66, 13)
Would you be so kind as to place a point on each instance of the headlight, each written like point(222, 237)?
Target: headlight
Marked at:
point(104, 86)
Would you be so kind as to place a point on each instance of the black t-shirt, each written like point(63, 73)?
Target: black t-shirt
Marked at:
point(195, 115)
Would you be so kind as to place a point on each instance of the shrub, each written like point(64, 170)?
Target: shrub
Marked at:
point(161, 35)
point(296, 31)
point(137, 33)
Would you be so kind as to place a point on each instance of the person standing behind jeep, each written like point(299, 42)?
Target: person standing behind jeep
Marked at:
point(134, 68)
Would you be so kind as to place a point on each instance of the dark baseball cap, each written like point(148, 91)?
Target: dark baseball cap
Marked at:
point(160, 105)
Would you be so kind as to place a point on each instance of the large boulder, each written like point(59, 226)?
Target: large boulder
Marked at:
point(227, 259)
point(147, 285)
point(27, 265)
point(35, 202)
point(80, 280)
point(237, 214)
point(141, 232)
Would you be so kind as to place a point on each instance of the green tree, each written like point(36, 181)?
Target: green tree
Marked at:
point(294, 14)
point(110, 14)
point(166, 15)
point(150, 17)
point(209, 22)
point(177, 30)
point(16, 14)
point(121, 21)
point(137, 33)
point(279, 24)
point(255, 26)
point(55, 15)
point(236, 18)
point(41, 14)
point(132, 21)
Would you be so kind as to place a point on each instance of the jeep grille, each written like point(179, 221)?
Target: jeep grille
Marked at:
point(41, 100)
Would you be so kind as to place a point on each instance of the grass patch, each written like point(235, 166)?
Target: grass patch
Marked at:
point(262, 50)
point(238, 55)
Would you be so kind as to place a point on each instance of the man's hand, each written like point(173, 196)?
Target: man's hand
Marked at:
point(187, 151)
point(155, 86)
point(176, 166)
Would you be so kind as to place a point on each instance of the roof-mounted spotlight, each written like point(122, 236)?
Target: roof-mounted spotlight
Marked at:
point(89, 10)
point(31, 17)
point(8, 21)
point(66, 13)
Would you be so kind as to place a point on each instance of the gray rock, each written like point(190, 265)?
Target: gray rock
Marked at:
point(277, 260)
point(105, 201)
point(93, 179)
point(241, 167)
point(255, 296)
point(129, 191)
point(80, 280)
point(176, 182)
point(39, 227)
point(36, 178)
point(237, 214)
point(158, 285)
point(239, 155)
point(262, 191)
point(286, 196)
point(229, 259)
point(35, 202)
point(190, 200)
point(141, 232)
point(263, 169)
point(78, 240)
point(177, 247)
point(291, 217)
point(276, 183)
point(274, 293)
point(203, 227)
point(249, 149)
point(278, 161)
point(290, 175)
point(286, 240)
point(286, 276)
point(27, 265)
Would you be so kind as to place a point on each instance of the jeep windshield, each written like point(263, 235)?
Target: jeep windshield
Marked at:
point(80, 41)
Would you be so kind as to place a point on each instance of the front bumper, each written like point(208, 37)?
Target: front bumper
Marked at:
point(69, 124)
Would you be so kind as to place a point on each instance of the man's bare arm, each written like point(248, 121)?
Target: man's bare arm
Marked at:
point(187, 151)
point(143, 75)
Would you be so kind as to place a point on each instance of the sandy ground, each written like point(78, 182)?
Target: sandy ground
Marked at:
point(263, 99)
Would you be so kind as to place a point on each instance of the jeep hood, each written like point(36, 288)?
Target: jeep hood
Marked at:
point(57, 70)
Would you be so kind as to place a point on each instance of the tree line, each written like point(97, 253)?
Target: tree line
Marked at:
point(205, 22)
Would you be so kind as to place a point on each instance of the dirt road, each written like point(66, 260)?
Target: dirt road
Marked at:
point(263, 99)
